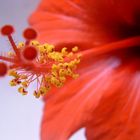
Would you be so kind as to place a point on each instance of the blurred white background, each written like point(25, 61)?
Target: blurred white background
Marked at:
point(20, 116)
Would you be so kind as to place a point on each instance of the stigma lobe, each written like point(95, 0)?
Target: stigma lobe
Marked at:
point(29, 53)
point(7, 30)
point(30, 34)
point(3, 69)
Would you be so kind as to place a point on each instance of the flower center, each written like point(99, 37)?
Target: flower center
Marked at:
point(130, 57)
point(132, 52)
point(32, 62)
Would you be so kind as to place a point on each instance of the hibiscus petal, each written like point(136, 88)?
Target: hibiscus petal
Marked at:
point(60, 22)
point(118, 116)
point(79, 21)
point(82, 102)
point(69, 110)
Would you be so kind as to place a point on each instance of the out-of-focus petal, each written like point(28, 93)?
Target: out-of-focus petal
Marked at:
point(80, 21)
point(69, 110)
point(117, 117)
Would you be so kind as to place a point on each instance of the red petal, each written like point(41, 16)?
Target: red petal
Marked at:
point(68, 110)
point(81, 102)
point(118, 115)
point(79, 21)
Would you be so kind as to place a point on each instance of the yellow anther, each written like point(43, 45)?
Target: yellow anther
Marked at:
point(41, 49)
point(54, 81)
point(59, 84)
point(70, 54)
point(79, 56)
point(22, 91)
point(66, 65)
point(36, 94)
point(69, 72)
point(54, 67)
point(60, 65)
point(48, 87)
point(64, 51)
point(56, 56)
point(77, 61)
point(48, 47)
point(25, 84)
point(62, 79)
point(34, 43)
point(23, 76)
point(48, 79)
point(54, 73)
point(20, 45)
point(75, 49)
point(15, 82)
point(10, 54)
point(41, 60)
point(12, 72)
point(72, 65)
point(62, 72)
point(75, 76)
point(12, 83)
point(43, 90)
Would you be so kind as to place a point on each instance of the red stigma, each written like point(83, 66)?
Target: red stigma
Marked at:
point(3, 69)
point(30, 53)
point(30, 34)
point(7, 30)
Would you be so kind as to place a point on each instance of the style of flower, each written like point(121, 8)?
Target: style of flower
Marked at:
point(105, 98)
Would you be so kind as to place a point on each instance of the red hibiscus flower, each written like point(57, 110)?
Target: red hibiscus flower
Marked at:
point(105, 98)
